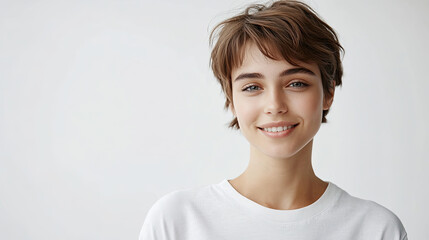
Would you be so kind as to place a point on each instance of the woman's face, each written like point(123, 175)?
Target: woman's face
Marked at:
point(267, 92)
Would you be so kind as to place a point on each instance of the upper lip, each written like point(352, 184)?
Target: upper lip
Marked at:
point(277, 124)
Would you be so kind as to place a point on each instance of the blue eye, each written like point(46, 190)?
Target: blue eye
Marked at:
point(250, 88)
point(298, 84)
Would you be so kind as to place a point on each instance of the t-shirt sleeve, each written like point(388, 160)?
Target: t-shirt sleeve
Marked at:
point(392, 225)
point(399, 227)
point(154, 226)
point(161, 219)
point(147, 232)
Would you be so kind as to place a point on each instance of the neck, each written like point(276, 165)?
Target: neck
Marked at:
point(288, 183)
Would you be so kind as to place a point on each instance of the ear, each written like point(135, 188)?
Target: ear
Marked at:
point(327, 101)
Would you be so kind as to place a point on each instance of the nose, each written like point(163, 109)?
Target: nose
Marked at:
point(276, 102)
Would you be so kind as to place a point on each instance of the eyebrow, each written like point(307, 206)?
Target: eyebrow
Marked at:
point(284, 73)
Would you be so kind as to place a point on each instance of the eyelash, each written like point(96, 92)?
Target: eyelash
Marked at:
point(303, 85)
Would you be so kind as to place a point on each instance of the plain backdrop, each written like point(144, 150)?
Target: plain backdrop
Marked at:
point(106, 106)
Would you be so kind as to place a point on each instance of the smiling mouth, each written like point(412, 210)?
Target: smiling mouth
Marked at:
point(278, 129)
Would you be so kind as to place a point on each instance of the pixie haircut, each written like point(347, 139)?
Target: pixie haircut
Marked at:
point(289, 30)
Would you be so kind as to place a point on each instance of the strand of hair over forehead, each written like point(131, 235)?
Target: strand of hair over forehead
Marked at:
point(257, 26)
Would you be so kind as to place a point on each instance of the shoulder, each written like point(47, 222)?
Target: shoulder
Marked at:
point(177, 205)
point(168, 214)
point(370, 208)
point(174, 202)
point(371, 213)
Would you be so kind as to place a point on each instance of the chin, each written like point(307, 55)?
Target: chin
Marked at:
point(285, 151)
point(282, 153)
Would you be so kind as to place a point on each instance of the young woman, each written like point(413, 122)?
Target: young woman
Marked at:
point(278, 66)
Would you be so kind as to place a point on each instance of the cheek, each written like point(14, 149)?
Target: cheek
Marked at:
point(246, 111)
point(311, 106)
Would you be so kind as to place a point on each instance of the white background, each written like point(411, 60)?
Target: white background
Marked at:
point(106, 106)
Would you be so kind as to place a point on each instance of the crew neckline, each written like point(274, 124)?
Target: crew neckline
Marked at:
point(324, 202)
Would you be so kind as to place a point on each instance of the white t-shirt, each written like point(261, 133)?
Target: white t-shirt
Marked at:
point(219, 212)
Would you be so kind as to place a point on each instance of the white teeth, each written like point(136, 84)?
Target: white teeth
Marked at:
point(278, 129)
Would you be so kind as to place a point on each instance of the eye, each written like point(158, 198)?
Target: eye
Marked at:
point(250, 88)
point(298, 85)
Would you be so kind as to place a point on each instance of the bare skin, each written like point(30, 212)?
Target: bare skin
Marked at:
point(282, 186)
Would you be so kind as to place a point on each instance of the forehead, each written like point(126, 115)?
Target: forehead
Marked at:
point(253, 60)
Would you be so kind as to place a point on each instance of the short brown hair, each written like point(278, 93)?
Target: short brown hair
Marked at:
point(285, 29)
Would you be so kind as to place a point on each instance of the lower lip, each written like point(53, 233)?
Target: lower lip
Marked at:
point(278, 134)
